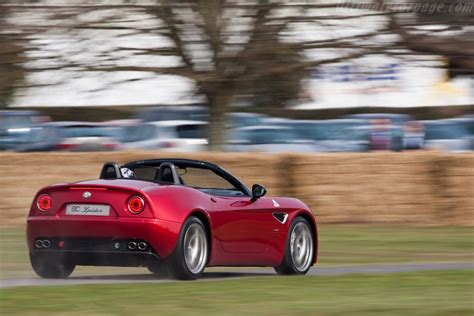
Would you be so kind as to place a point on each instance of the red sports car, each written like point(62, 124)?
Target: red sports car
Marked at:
point(174, 216)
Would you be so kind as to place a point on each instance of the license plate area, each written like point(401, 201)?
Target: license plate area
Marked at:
point(88, 209)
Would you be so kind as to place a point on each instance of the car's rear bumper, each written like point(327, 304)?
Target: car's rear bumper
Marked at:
point(97, 238)
point(103, 258)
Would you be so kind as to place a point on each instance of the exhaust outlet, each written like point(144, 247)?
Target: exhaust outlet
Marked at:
point(46, 243)
point(132, 245)
point(141, 245)
point(39, 244)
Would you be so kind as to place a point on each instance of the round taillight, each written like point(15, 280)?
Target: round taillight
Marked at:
point(135, 204)
point(44, 202)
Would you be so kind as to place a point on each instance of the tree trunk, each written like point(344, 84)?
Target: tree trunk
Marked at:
point(219, 99)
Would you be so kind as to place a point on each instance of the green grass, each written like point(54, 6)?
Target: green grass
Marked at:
point(362, 244)
point(339, 245)
point(421, 293)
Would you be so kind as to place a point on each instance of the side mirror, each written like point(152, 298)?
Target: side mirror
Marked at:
point(258, 191)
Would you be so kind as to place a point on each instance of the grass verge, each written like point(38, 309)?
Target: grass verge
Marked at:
point(421, 293)
point(338, 245)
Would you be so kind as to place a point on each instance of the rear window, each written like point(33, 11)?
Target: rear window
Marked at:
point(10, 122)
point(87, 131)
point(138, 133)
point(444, 131)
point(191, 131)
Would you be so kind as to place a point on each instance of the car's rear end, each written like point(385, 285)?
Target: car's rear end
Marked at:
point(103, 222)
point(82, 136)
point(182, 136)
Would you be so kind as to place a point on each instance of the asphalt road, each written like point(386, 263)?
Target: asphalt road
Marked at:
point(233, 273)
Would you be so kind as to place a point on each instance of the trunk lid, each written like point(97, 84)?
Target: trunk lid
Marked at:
point(95, 199)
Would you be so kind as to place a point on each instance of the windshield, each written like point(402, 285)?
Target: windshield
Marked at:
point(137, 133)
point(202, 179)
point(444, 131)
point(191, 131)
point(266, 136)
point(332, 131)
point(244, 120)
point(87, 131)
point(12, 122)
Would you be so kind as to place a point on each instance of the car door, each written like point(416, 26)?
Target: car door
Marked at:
point(244, 226)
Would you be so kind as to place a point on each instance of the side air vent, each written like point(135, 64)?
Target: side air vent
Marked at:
point(281, 217)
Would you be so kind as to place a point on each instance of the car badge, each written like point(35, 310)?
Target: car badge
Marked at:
point(86, 195)
point(275, 203)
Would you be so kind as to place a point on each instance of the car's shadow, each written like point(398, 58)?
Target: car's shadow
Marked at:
point(151, 277)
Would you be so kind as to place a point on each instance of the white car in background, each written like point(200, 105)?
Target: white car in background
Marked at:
point(172, 136)
point(83, 136)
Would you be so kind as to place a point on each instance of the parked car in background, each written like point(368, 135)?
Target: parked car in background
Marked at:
point(446, 135)
point(270, 120)
point(331, 135)
point(135, 134)
point(393, 118)
point(16, 125)
point(85, 136)
point(467, 121)
point(241, 119)
point(413, 136)
point(379, 137)
point(268, 138)
point(42, 137)
point(173, 113)
point(182, 136)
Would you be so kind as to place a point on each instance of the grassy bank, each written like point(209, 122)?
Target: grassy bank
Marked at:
point(339, 245)
point(425, 293)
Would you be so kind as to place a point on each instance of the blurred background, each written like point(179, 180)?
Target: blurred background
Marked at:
point(364, 110)
point(273, 76)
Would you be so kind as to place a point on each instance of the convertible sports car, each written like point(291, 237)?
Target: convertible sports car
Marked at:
point(174, 216)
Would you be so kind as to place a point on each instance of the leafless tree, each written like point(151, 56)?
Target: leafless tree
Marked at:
point(233, 50)
point(11, 58)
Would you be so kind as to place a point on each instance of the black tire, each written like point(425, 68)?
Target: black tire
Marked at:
point(175, 264)
point(158, 268)
point(51, 266)
point(287, 267)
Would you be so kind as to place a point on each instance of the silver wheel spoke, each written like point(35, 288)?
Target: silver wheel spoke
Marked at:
point(195, 248)
point(301, 246)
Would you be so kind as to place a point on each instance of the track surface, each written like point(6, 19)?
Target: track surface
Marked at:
point(233, 273)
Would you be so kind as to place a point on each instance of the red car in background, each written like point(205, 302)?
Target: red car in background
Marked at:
point(173, 216)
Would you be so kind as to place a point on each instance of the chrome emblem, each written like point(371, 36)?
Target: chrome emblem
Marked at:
point(86, 195)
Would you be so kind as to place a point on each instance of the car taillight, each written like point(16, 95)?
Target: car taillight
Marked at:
point(65, 146)
point(135, 204)
point(167, 144)
point(44, 202)
point(111, 146)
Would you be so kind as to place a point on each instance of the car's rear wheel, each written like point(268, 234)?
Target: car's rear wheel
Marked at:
point(51, 266)
point(191, 253)
point(299, 249)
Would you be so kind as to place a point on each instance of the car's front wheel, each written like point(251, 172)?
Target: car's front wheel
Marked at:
point(191, 253)
point(299, 249)
point(51, 266)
